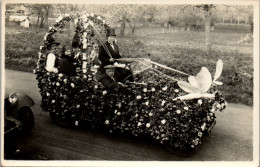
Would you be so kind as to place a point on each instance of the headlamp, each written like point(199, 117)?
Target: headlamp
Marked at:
point(12, 98)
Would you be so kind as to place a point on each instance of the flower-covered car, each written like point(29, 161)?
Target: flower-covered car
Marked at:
point(175, 111)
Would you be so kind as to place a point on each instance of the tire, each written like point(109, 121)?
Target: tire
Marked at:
point(63, 122)
point(181, 153)
point(26, 117)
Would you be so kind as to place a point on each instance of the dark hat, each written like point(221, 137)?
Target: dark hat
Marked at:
point(111, 32)
point(49, 45)
point(109, 67)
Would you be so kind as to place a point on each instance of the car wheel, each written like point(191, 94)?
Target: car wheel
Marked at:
point(27, 118)
point(58, 120)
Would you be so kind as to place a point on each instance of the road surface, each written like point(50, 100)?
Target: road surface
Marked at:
point(231, 140)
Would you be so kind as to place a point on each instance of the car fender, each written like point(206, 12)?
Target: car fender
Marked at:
point(23, 100)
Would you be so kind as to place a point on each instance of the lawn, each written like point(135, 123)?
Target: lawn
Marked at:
point(182, 50)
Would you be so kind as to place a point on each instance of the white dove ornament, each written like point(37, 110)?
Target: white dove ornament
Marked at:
point(198, 86)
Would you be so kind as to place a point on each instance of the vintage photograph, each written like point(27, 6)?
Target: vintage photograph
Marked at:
point(127, 82)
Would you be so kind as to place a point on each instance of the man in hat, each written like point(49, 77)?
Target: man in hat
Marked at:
point(66, 65)
point(108, 55)
point(52, 62)
point(108, 79)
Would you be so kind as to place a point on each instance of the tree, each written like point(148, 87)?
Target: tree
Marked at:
point(207, 11)
point(42, 11)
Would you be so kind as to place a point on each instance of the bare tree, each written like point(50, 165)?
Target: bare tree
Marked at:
point(207, 11)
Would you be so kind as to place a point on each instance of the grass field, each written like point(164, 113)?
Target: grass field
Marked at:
point(181, 50)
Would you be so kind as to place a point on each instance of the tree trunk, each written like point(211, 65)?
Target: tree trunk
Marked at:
point(207, 29)
point(41, 23)
point(122, 29)
point(38, 19)
point(132, 27)
point(46, 19)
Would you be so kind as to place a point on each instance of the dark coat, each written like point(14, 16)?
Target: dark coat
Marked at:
point(104, 56)
point(66, 66)
point(108, 82)
point(120, 73)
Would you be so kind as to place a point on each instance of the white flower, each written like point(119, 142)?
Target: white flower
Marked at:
point(145, 90)
point(163, 102)
point(96, 87)
point(148, 125)
point(57, 84)
point(138, 97)
point(45, 37)
point(48, 94)
point(91, 22)
point(139, 124)
point(200, 101)
point(153, 89)
point(199, 134)
point(65, 80)
point(195, 142)
point(203, 127)
point(72, 85)
point(218, 106)
point(115, 111)
point(85, 34)
point(60, 75)
point(136, 115)
point(99, 18)
point(186, 108)
point(78, 106)
point(165, 88)
point(50, 28)
point(178, 111)
point(85, 76)
point(150, 114)
point(92, 14)
point(147, 103)
point(176, 90)
point(76, 123)
point(104, 92)
point(107, 122)
point(86, 24)
point(192, 146)
point(119, 113)
point(163, 121)
point(53, 101)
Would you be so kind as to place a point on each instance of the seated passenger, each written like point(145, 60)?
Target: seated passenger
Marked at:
point(108, 79)
point(66, 64)
point(52, 62)
point(94, 53)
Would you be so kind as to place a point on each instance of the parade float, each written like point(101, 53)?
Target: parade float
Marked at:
point(175, 110)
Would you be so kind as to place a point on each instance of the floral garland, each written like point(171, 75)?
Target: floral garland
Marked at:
point(139, 109)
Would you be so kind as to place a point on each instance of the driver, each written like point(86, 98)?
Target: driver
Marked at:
point(108, 79)
point(109, 59)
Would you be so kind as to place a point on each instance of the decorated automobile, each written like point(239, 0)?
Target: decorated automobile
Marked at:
point(167, 105)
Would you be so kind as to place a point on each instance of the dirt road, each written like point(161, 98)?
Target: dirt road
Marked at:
point(231, 140)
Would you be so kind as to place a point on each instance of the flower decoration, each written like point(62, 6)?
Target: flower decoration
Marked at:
point(199, 85)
